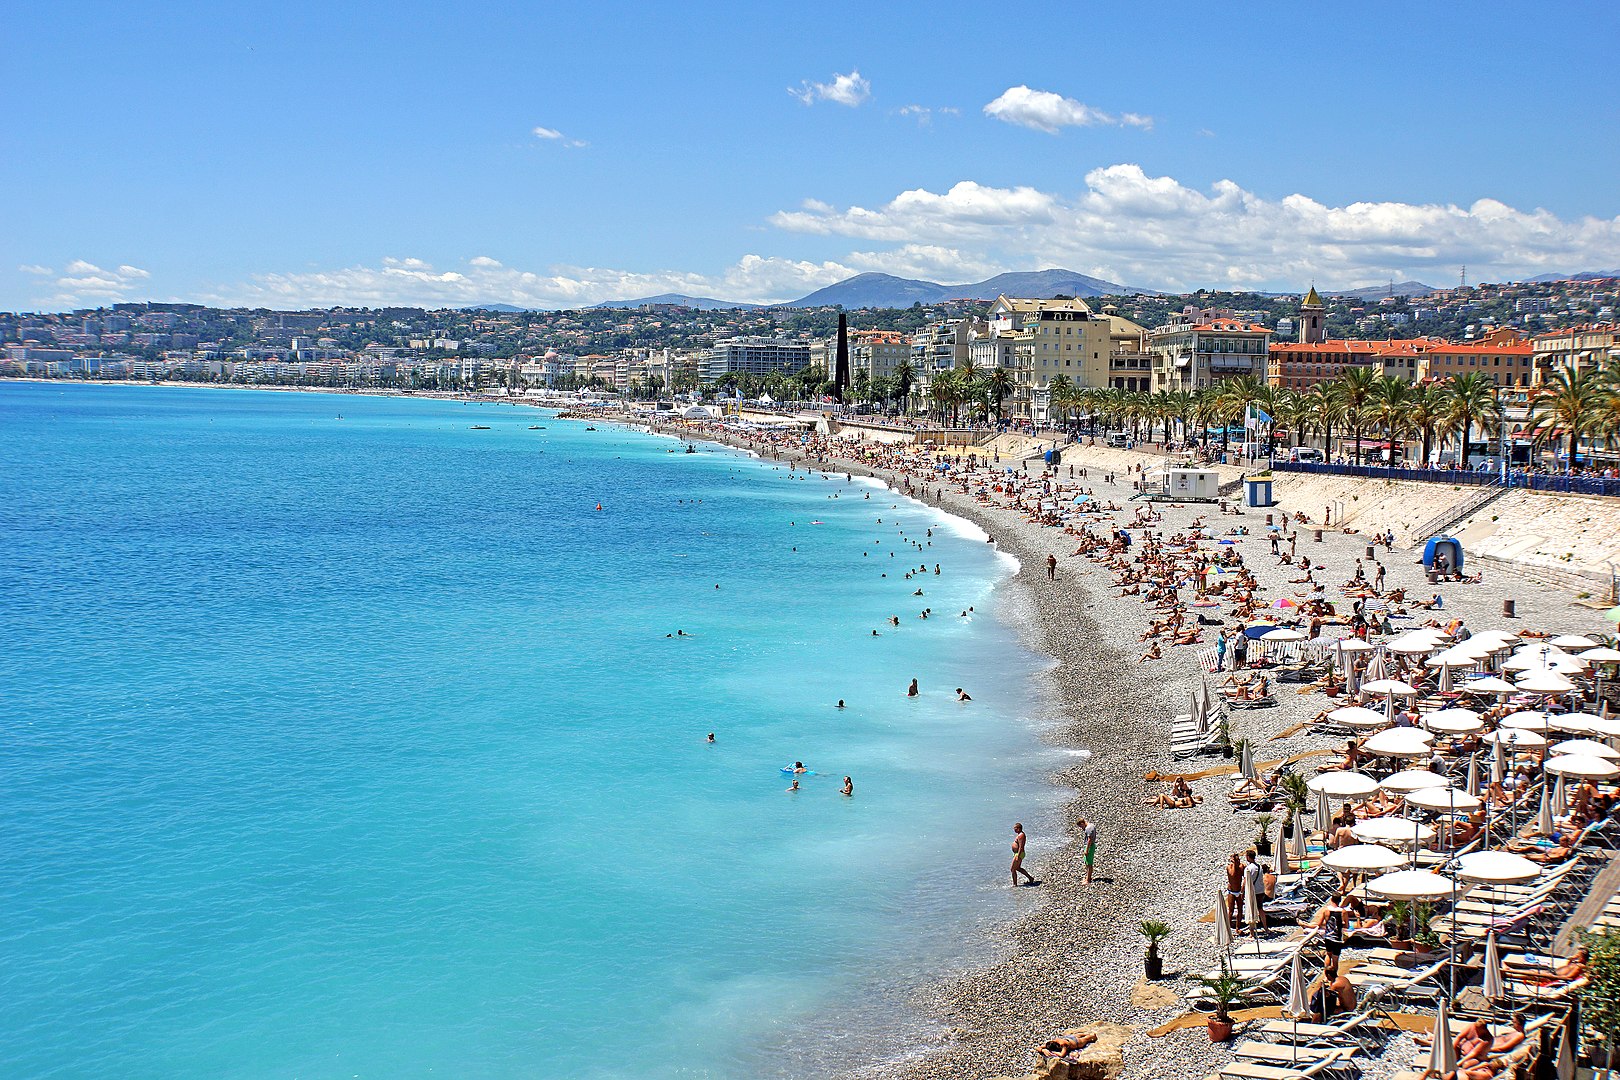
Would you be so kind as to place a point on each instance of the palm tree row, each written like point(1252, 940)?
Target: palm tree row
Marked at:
point(1359, 403)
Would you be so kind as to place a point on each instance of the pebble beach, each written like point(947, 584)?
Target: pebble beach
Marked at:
point(1074, 955)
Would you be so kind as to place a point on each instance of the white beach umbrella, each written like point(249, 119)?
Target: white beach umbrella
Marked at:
point(1488, 685)
point(1495, 868)
point(1546, 682)
point(1251, 909)
point(1358, 716)
point(1392, 687)
point(1392, 831)
point(1442, 1051)
point(1549, 659)
point(1544, 814)
point(1574, 641)
point(1606, 726)
point(1579, 723)
point(1223, 922)
point(1493, 988)
point(1324, 815)
point(1585, 766)
point(1412, 885)
point(1413, 780)
point(1453, 721)
point(1299, 1002)
point(1445, 686)
point(1601, 655)
point(1444, 798)
point(1246, 763)
point(1499, 639)
point(1587, 747)
point(1282, 634)
point(1517, 738)
point(1343, 785)
point(1472, 786)
point(1456, 656)
point(1296, 841)
point(1498, 765)
point(1375, 668)
point(1399, 743)
point(1526, 720)
point(1354, 645)
point(1362, 858)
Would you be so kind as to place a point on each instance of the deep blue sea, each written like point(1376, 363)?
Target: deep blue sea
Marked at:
point(339, 739)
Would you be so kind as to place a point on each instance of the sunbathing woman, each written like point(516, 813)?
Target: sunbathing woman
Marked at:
point(1179, 797)
point(1153, 653)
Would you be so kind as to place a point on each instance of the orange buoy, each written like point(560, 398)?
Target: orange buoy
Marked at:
point(599, 506)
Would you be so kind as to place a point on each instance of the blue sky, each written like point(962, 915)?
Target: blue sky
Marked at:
point(295, 154)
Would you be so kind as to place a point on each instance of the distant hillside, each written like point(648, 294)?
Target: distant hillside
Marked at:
point(1585, 275)
point(494, 307)
point(888, 291)
point(701, 303)
point(1374, 292)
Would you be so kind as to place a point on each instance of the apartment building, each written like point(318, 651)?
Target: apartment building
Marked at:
point(1200, 348)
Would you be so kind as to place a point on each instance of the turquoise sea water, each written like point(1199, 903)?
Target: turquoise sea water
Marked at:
point(356, 748)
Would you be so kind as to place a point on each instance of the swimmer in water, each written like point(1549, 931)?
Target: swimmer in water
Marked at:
point(911, 691)
point(798, 767)
point(840, 704)
point(794, 786)
point(849, 787)
point(963, 695)
point(711, 736)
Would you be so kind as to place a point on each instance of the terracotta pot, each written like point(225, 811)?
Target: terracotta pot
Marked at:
point(1219, 1030)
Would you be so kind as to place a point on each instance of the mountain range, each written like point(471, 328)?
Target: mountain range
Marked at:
point(1399, 288)
point(887, 291)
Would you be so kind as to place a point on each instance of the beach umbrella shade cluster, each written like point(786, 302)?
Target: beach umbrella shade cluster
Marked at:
point(1362, 859)
point(1343, 784)
point(1409, 780)
point(1392, 831)
point(1447, 799)
point(1399, 743)
point(1584, 766)
point(1358, 716)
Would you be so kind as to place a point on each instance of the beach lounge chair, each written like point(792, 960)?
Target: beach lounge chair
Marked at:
point(1253, 1070)
point(1352, 1030)
point(1401, 984)
point(1291, 1055)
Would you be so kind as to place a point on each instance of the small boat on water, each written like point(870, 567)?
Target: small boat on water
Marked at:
point(480, 427)
point(536, 427)
point(589, 427)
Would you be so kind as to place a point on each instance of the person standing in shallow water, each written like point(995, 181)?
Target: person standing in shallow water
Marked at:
point(1019, 844)
point(911, 691)
point(1088, 830)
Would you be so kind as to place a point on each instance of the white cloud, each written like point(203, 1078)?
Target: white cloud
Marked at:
point(848, 90)
point(553, 135)
point(485, 280)
point(947, 265)
point(81, 282)
point(1153, 230)
point(1049, 112)
point(921, 113)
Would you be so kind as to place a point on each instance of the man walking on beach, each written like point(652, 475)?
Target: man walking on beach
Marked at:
point(1018, 845)
point(1051, 568)
point(1088, 832)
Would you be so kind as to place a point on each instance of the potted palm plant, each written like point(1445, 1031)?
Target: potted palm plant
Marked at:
point(1262, 840)
point(1155, 932)
point(1223, 736)
point(1400, 918)
point(1424, 939)
point(1226, 990)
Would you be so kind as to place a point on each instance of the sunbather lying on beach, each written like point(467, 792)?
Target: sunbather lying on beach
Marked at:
point(1179, 797)
point(1062, 1045)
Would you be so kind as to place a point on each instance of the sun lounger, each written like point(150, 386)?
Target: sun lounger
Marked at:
point(1251, 1070)
point(1292, 1054)
point(1352, 1030)
point(1400, 983)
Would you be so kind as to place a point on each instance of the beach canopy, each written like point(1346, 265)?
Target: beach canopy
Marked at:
point(1545, 682)
point(1515, 737)
point(1413, 780)
point(1587, 747)
point(1361, 858)
point(1606, 726)
point(1542, 658)
point(1389, 686)
point(1501, 639)
point(1412, 885)
point(1527, 720)
point(1603, 655)
point(1491, 684)
point(1455, 657)
point(1495, 868)
point(1582, 723)
point(1573, 641)
point(1282, 633)
point(1343, 785)
point(1585, 766)
point(1453, 721)
point(1389, 830)
point(1444, 798)
point(1398, 742)
point(1358, 716)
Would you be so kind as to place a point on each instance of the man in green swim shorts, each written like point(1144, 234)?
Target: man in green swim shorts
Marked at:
point(1088, 830)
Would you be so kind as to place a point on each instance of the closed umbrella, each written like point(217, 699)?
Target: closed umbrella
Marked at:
point(1246, 763)
point(1375, 667)
point(1473, 774)
point(1560, 805)
point(1343, 785)
point(1324, 815)
point(1445, 680)
point(1223, 922)
point(1494, 990)
point(1442, 1052)
point(1544, 816)
point(1498, 765)
point(1251, 908)
point(1299, 1004)
point(1296, 842)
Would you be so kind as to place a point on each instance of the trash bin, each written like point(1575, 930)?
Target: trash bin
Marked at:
point(1507, 609)
point(1318, 535)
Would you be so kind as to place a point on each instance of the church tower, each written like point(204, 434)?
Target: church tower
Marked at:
point(1312, 319)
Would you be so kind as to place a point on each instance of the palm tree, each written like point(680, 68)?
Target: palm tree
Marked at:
point(1390, 397)
point(1425, 410)
point(1355, 390)
point(945, 388)
point(1326, 408)
point(1568, 403)
point(998, 384)
point(1059, 394)
point(1471, 397)
point(1181, 404)
point(905, 377)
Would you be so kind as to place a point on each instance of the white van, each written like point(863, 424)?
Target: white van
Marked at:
point(1118, 440)
point(1307, 455)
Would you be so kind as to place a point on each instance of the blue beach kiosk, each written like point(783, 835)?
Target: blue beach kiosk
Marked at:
point(1257, 489)
point(1447, 546)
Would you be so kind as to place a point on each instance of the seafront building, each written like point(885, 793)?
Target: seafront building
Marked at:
point(755, 356)
point(1198, 348)
point(1575, 348)
point(878, 353)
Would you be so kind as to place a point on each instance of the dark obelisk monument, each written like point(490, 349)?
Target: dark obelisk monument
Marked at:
point(841, 364)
